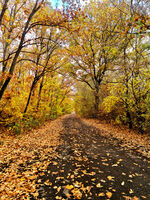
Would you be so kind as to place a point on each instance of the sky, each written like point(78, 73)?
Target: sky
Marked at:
point(56, 3)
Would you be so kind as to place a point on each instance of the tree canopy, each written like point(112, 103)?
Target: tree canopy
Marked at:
point(88, 56)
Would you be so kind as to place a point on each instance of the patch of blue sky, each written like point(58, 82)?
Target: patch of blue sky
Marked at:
point(59, 3)
point(56, 3)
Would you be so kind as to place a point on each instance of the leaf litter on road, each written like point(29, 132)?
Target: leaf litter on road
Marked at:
point(60, 163)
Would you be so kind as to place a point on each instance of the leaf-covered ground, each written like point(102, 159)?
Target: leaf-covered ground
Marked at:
point(72, 158)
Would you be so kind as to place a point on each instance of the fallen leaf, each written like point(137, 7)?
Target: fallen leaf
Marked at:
point(76, 193)
point(114, 165)
point(122, 183)
point(110, 178)
point(58, 189)
point(109, 194)
point(99, 185)
point(131, 191)
point(101, 194)
point(92, 173)
point(58, 197)
point(88, 188)
point(55, 163)
point(69, 187)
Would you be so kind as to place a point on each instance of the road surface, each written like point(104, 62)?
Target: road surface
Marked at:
point(91, 166)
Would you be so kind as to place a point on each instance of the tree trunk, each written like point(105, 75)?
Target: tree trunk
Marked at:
point(96, 102)
point(3, 10)
point(2, 90)
point(128, 115)
point(129, 120)
point(40, 90)
point(29, 97)
point(96, 95)
point(13, 64)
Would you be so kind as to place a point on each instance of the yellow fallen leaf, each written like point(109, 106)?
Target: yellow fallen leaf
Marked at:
point(36, 194)
point(122, 183)
point(110, 178)
point(104, 160)
point(58, 189)
point(103, 181)
point(101, 194)
point(68, 195)
point(106, 164)
point(115, 165)
point(57, 197)
point(131, 191)
point(32, 177)
point(109, 194)
point(22, 179)
point(69, 187)
point(76, 193)
point(99, 185)
point(92, 173)
point(88, 188)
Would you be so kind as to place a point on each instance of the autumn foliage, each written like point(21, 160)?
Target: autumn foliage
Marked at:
point(90, 58)
point(94, 53)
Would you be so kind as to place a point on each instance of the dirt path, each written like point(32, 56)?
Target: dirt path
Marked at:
point(85, 165)
point(90, 166)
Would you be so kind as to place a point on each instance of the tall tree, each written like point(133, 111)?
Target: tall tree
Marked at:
point(94, 45)
point(3, 5)
point(19, 29)
point(35, 8)
point(46, 59)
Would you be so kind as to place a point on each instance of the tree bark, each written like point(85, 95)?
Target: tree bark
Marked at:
point(40, 90)
point(128, 115)
point(96, 95)
point(29, 97)
point(96, 102)
point(4, 86)
point(36, 79)
point(3, 10)
point(129, 119)
point(13, 64)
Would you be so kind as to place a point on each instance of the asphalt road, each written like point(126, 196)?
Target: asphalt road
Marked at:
point(91, 166)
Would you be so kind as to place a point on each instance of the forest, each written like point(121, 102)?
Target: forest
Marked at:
point(89, 57)
point(74, 99)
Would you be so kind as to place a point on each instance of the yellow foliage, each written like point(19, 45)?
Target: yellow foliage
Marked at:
point(109, 103)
